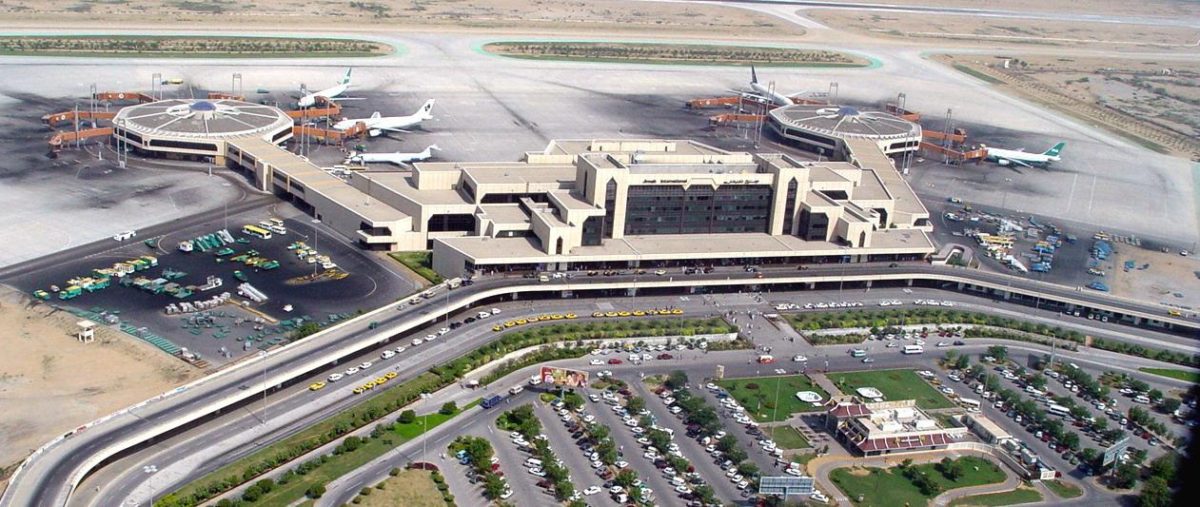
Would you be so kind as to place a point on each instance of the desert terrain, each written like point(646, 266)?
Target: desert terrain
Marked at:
point(50, 383)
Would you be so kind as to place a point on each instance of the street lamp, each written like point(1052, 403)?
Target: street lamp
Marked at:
point(262, 354)
point(316, 241)
point(150, 470)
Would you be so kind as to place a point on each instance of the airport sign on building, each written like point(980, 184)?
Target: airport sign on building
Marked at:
point(1115, 450)
point(784, 485)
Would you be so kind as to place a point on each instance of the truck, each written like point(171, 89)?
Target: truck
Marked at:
point(766, 359)
point(70, 292)
point(454, 283)
point(491, 402)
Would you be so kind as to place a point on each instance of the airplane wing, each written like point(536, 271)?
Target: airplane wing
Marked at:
point(394, 130)
point(339, 99)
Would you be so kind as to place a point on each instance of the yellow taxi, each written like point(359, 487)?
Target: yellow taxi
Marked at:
point(522, 322)
point(639, 313)
point(652, 311)
point(359, 390)
point(316, 386)
point(510, 323)
point(610, 314)
point(497, 328)
point(543, 318)
point(676, 311)
point(597, 314)
point(381, 381)
point(557, 316)
point(571, 316)
point(390, 375)
point(623, 313)
point(370, 385)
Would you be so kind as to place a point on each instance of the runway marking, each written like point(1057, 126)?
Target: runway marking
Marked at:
point(1092, 194)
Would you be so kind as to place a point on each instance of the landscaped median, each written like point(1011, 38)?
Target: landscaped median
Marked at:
point(909, 484)
point(894, 385)
point(1015, 497)
point(769, 399)
point(188, 46)
point(673, 53)
point(392, 399)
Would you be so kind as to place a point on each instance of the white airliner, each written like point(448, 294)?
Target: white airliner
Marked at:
point(397, 158)
point(1022, 158)
point(328, 94)
point(765, 92)
point(377, 124)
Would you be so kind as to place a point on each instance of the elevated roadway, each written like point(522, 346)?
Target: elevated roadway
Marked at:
point(49, 476)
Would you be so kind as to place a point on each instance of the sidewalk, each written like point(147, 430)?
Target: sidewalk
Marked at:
point(821, 380)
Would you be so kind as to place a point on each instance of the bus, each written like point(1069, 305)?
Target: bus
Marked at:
point(858, 353)
point(256, 231)
point(913, 349)
point(969, 403)
point(1059, 410)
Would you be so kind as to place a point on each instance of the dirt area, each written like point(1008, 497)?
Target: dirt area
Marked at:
point(990, 31)
point(45, 371)
point(617, 16)
point(1170, 279)
point(1169, 8)
point(412, 488)
point(1154, 104)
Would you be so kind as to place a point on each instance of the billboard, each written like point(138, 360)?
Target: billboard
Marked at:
point(564, 377)
point(785, 485)
point(1115, 450)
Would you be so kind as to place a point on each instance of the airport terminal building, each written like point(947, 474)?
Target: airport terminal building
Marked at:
point(611, 204)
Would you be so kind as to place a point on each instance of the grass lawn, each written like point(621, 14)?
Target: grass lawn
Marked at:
point(889, 487)
point(1063, 489)
point(412, 488)
point(1184, 375)
point(420, 263)
point(759, 395)
point(339, 465)
point(894, 384)
point(1014, 497)
point(787, 437)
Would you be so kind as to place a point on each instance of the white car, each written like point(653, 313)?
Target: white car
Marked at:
point(417, 341)
point(444, 330)
point(799, 358)
point(621, 464)
point(591, 490)
point(495, 311)
point(122, 236)
point(400, 349)
point(364, 365)
point(742, 484)
point(538, 472)
point(387, 354)
point(334, 377)
point(794, 471)
point(351, 370)
point(430, 337)
point(507, 493)
point(589, 418)
point(596, 362)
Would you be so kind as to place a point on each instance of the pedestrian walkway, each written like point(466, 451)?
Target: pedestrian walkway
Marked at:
point(821, 380)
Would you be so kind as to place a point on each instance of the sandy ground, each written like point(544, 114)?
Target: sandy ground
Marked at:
point(613, 16)
point(50, 383)
point(1137, 120)
point(1142, 8)
point(1171, 279)
point(990, 31)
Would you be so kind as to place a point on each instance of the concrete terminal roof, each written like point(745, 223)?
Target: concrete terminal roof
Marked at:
point(290, 167)
point(580, 146)
point(401, 183)
point(505, 214)
point(843, 121)
point(688, 246)
point(868, 156)
point(216, 119)
point(506, 172)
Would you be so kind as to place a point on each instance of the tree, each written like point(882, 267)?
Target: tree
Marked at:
point(1155, 395)
point(748, 469)
point(999, 352)
point(1071, 440)
point(1169, 405)
point(625, 478)
point(1164, 467)
point(659, 439)
point(676, 380)
point(315, 491)
point(1038, 382)
point(635, 404)
point(1089, 455)
point(1100, 425)
point(962, 362)
point(407, 417)
point(1155, 493)
point(1126, 476)
point(978, 371)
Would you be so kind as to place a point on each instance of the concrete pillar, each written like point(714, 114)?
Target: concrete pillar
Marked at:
point(812, 285)
point(868, 284)
point(908, 282)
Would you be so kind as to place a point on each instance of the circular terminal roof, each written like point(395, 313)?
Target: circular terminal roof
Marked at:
point(844, 121)
point(202, 119)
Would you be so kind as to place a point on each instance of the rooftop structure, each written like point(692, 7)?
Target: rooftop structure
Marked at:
point(198, 128)
point(825, 129)
point(886, 427)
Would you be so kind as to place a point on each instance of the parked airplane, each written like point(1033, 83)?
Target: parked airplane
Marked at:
point(377, 124)
point(1021, 158)
point(765, 92)
point(397, 158)
point(329, 94)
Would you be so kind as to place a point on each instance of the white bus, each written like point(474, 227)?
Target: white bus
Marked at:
point(969, 403)
point(1059, 410)
point(914, 349)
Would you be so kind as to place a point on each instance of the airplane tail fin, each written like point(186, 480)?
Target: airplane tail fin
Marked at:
point(753, 75)
point(433, 148)
point(346, 80)
point(376, 115)
point(1055, 150)
point(426, 111)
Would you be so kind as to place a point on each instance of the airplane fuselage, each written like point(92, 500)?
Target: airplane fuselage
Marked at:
point(1002, 156)
point(377, 125)
point(778, 98)
point(328, 93)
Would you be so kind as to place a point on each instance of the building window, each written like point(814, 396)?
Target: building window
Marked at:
point(593, 228)
point(460, 222)
point(652, 209)
point(183, 145)
point(610, 207)
point(512, 198)
point(813, 226)
point(789, 206)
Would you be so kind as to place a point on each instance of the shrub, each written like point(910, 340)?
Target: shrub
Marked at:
point(315, 491)
point(407, 417)
point(365, 492)
point(394, 472)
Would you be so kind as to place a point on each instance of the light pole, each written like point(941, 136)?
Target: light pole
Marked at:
point(316, 241)
point(262, 354)
point(150, 470)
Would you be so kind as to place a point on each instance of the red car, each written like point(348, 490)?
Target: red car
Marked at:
point(614, 361)
point(665, 356)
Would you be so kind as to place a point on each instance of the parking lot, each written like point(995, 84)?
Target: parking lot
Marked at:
point(229, 330)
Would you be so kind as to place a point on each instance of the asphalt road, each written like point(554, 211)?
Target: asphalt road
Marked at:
point(48, 478)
